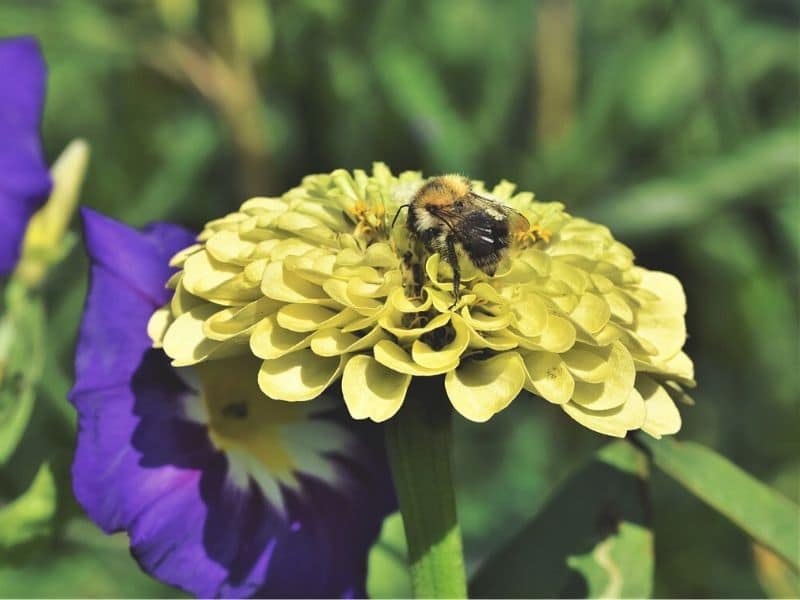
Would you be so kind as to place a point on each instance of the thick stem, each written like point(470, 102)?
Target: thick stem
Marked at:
point(419, 441)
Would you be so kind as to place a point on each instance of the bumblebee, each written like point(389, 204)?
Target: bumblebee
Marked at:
point(446, 215)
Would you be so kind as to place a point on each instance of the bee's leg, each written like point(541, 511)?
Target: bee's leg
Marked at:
point(456, 282)
point(452, 258)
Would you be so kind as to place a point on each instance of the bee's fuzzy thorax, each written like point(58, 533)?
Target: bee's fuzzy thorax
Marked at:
point(443, 190)
point(458, 184)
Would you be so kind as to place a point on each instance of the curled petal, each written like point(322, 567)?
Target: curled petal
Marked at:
point(482, 320)
point(443, 301)
point(575, 279)
point(269, 340)
point(239, 319)
point(228, 247)
point(671, 297)
point(480, 388)
point(530, 315)
point(589, 363)
point(548, 377)
point(221, 282)
point(494, 340)
point(301, 375)
point(558, 335)
point(665, 334)
point(371, 391)
point(311, 317)
point(157, 325)
point(399, 301)
point(337, 290)
point(185, 341)
point(662, 417)
point(333, 342)
point(285, 285)
point(615, 389)
point(396, 323)
point(395, 358)
point(448, 354)
point(615, 421)
point(182, 300)
point(621, 310)
point(591, 314)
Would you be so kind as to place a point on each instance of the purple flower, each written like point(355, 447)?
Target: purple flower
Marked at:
point(24, 179)
point(223, 491)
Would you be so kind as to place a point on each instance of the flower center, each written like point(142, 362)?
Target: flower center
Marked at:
point(241, 418)
point(370, 221)
point(526, 239)
point(268, 441)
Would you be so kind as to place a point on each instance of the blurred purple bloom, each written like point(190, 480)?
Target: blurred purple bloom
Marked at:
point(202, 513)
point(24, 179)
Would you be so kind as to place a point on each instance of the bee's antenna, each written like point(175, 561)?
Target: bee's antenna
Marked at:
point(397, 214)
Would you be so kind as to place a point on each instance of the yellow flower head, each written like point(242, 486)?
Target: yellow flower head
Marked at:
point(320, 286)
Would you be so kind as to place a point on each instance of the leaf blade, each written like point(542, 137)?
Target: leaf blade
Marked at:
point(21, 359)
point(592, 538)
point(29, 516)
point(763, 513)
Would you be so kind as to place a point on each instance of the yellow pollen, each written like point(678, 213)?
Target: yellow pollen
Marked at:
point(370, 220)
point(535, 233)
point(359, 210)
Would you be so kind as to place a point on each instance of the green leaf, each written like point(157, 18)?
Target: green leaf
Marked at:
point(775, 575)
point(29, 517)
point(21, 358)
point(387, 564)
point(85, 564)
point(591, 539)
point(767, 516)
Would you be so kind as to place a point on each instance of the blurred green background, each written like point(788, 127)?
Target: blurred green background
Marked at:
point(675, 123)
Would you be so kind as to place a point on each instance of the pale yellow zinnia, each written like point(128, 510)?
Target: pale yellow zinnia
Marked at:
point(313, 283)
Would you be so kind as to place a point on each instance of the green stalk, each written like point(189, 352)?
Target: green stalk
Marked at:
point(419, 442)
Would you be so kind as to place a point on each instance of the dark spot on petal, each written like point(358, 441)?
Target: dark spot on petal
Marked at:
point(235, 410)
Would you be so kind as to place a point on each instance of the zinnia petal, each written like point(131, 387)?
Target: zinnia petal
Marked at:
point(662, 417)
point(617, 421)
point(300, 375)
point(480, 388)
point(549, 377)
point(371, 390)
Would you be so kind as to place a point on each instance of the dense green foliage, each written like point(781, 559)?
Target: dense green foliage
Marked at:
point(673, 122)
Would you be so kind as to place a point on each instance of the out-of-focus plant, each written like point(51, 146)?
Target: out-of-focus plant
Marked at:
point(33, 241)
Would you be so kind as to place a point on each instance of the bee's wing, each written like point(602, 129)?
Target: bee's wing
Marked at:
point(517, 222)
point(484, 228)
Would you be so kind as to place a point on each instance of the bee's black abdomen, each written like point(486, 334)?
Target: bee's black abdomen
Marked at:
point(484, 240)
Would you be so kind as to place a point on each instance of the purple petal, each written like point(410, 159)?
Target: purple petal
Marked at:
point(128, 273)
point(24, 178)
point(143, 465)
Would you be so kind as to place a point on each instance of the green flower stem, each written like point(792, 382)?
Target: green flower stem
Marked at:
point(419, 442)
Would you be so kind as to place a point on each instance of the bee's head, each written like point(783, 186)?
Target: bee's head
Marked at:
point(442, 192)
